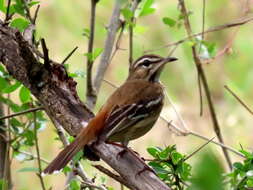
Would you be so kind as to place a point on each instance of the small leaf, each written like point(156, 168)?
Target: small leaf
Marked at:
point(94, 55)
point(78, 156)
point(169, 21)
point(30, 4)
point(11, 88)
point(74, 185)
point(154, 151)
point(147, 9)
point(127, 13)
point(29, 169)
point(176, 157)
point(24, 94)
point(3, 84)
point(86, 32)
point(20, 23)
point(238, 165)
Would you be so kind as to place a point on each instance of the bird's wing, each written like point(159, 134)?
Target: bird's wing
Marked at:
point(122, 117)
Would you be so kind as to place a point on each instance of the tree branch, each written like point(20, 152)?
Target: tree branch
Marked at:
point(90, 92)
point(203, 79)
point(109, 42)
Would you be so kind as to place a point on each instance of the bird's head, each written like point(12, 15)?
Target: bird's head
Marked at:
point(148, 67)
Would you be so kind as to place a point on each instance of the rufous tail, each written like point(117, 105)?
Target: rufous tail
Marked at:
point(68, 153)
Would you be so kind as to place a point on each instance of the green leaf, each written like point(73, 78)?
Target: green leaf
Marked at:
point(86, 32)
point(127, 13)
point(238, 165)
point(30, 4)
point(66, 169)
point(154, 151)
point(11, 88)
point(20, 23)
point(246, 154)
point(74, 185)
point(94, 55)
point(2, 6)
point(3, 84)
point(24, 94)
point(169, 21)
point(29, 169)
point(78, 156)
point(176, 157)
point(158, 168)
point(146, 8)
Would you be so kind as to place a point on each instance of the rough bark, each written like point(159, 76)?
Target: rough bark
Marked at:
point(57, 94)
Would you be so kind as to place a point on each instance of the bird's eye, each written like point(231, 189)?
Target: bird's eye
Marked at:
point(146, 63)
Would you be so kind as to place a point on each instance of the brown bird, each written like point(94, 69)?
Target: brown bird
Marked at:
point(129, 113)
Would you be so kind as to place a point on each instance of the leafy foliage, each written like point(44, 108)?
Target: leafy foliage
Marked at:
point(242, 175)
point(170, 166)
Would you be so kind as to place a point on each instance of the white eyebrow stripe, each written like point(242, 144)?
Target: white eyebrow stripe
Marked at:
point(151, 59)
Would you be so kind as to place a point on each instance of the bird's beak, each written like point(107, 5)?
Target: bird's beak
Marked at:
point(156, 71)
point(160, 65)
point(169, 59)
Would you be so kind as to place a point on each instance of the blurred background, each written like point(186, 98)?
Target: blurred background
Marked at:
point(62, 24)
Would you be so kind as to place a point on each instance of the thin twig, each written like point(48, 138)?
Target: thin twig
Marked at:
point(118, 41)
point(239, 99)
point(38, 151)
point(90, 92)
point(22, 113)
point(36, 14)
point(203, 79)
point(131, 32)
point(45, 53)
point(33, 156)
point(69, 55)
point(202, 38)
point(241, 21)
point(112, 175)
point(7, 17)
point(7, 163)
point(198, 149)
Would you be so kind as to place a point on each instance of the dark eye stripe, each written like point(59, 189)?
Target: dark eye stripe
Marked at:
point(143, 59)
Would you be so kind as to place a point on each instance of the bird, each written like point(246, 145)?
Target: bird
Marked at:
point(129, 113)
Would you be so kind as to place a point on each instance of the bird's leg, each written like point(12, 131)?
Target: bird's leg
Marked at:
point(136, 154)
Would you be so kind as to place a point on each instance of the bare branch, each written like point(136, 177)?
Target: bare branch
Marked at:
point(203, 79)
point(112, 175)
point(239, 22)
point(239, 99)
point(38, 151)
point(22, 113)
point(111, 35)
point(131, 32)
point(33, 156)
point(69, 55)
point(198, 149)
point(90, 92)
